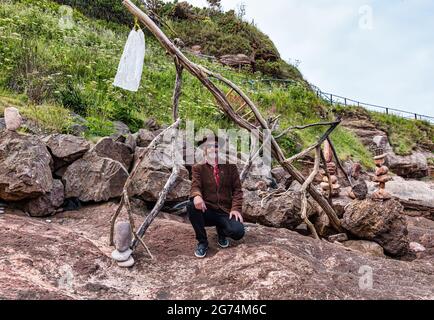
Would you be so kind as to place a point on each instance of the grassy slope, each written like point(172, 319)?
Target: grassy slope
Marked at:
point(52, 69)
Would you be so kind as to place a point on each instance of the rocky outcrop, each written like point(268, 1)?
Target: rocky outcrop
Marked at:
point(362, 127)
point(48, 203)
point(409, 166)
point(235, 60)
point(94, 178)
point(267, 264)
point(278, 212)
point(379, 221)
point(108, 148)
point(65, 149)
point(25, 171)
point(421, 234)
point(153, 173)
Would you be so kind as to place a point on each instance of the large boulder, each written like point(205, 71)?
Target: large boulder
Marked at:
point(94, 178)
point(379, 221)
point(48, 203)
point(25, 171)
point(279, 212)
point(282, 177)
point(153, 173)
point(118, 151)
point(65, 149)
point(121, 129)
point(144, 137)
point(411, 166)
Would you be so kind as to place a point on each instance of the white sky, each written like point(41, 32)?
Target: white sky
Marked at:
point(375, 51)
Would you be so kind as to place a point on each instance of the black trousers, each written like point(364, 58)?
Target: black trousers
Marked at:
point(225, 227)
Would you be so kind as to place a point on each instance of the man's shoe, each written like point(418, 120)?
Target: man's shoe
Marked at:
point(223, 242)
point(201, 250)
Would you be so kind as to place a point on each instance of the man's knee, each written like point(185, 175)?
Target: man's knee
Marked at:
point(237, 231)
point(191, 208)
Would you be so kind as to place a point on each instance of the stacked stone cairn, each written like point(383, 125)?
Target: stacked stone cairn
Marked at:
point(331, 168)
point(381, 176)
point(122, 239)
point(359, 189)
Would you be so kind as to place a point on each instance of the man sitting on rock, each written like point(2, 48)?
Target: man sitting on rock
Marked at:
point(216, 198)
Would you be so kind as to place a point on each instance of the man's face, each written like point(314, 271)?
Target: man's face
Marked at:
point(211, 153)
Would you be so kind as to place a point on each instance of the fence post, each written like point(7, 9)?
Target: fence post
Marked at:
point(387, 110)
point(345, 101)
point(415, 116)
point(331, 99)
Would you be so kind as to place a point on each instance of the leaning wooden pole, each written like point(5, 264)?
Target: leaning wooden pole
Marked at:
point(203, 76)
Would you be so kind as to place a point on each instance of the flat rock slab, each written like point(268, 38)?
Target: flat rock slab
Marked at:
point(267, 264)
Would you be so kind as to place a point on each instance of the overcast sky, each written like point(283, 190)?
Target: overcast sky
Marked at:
point(375, 51)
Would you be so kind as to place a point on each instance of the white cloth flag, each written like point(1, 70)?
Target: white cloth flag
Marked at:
point(131, 65)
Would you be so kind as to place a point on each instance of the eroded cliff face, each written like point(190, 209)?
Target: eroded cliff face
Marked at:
point(68, 257)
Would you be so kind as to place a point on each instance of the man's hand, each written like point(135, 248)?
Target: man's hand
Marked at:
point(237, 216)
point(199, 204)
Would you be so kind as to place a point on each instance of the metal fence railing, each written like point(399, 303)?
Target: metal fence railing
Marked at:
point(334, 99)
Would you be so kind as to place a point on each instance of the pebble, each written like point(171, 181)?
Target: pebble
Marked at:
point(416, 247)
point(121, 256)
point(122, 236)
point(127, 264)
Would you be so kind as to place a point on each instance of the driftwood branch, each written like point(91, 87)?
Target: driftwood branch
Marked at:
point(335, 156)
point(162, 198)
point(124, 198)
point(316, 144)
point(304, 127)
point(203, 75)
point(303, 189)
point(253, 156)
point(177, 90)
point(326, 170)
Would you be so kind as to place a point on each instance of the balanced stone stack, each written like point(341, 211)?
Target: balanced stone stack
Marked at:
point(359, 190)
point(381, 176)
point(122, 240)
point(331, 168)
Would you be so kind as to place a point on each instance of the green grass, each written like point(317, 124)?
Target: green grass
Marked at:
point(50, 117)
point(405, 135)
